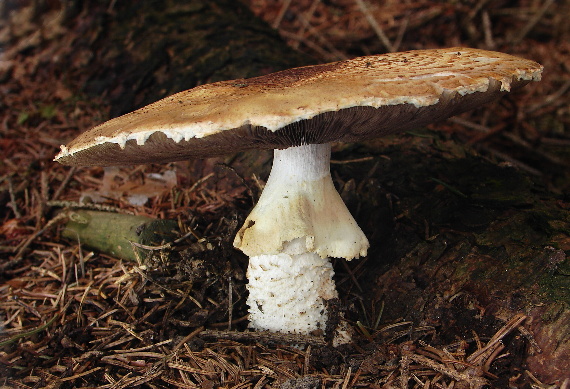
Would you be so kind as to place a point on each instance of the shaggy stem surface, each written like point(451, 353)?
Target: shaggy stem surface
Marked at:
point(287, 291)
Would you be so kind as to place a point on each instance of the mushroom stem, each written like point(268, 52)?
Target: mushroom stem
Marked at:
point(299, 221)
point(287, 291)
point(300, 201)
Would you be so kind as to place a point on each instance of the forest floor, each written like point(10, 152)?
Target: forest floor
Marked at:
point(71, 317)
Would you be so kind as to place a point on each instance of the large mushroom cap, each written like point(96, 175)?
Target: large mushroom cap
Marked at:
point(350, 100)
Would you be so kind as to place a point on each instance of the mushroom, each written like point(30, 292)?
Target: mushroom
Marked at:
point(300, 220)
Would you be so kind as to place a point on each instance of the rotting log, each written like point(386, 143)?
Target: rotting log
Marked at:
point(461, 244)
point(458, 242)
point(143, 51)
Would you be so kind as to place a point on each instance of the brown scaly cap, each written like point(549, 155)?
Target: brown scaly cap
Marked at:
point(350, 100)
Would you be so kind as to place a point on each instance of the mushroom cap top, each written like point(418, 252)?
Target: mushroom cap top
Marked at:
point(350, 100)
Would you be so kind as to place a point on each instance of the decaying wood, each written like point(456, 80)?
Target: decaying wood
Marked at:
point(470, 240)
